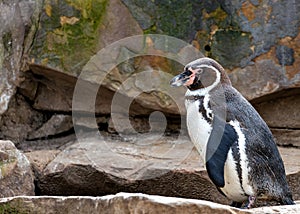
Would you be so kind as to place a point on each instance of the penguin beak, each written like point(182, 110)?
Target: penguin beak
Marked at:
point(179, 80)
point(185, 78)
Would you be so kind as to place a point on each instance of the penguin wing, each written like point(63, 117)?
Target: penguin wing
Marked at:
point(221, 139)
point(261, 147)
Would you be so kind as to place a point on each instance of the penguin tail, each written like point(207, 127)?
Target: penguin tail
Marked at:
point(287, 201)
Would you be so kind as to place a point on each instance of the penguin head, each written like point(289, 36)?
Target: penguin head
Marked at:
point(202, 73)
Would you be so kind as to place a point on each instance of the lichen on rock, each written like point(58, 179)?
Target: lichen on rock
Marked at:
point(68, 33)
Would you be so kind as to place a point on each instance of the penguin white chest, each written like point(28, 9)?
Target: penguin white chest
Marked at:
point(198, 127)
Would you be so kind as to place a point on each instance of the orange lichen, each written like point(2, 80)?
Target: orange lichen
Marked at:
point(294, 43)
point(248, 10)
point(196, 44)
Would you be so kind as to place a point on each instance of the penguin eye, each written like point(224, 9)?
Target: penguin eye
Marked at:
point(188, 72)
point(200, 70)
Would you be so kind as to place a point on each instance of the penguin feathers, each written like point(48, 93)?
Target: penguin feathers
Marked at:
point(216, 153)
point(238, 148)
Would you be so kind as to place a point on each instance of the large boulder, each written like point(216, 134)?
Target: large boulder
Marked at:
point(150, 164)
point(127, 203)
point(16, 177)
point(256, 41)
point(260, 59)
point(18, 19)
point(70, 33)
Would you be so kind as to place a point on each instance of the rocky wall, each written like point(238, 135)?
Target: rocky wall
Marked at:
point(47, 47)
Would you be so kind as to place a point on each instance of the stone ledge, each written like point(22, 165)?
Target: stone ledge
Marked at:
point(126, 203)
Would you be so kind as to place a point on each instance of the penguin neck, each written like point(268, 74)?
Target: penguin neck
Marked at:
point(202, 91)
point(196, 93)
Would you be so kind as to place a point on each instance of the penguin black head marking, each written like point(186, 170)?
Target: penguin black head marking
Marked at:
point(201, 73)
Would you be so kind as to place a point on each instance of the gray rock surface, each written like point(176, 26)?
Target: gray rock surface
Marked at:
point(151, 164)
point(57, 124)
point(17, 21)
point(16, 177)
point(148, 164)
point(19, 120)
point(128, 203)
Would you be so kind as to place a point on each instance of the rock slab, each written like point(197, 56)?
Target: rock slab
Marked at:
point(150, 164)
point(126, 203)
point(16, 177)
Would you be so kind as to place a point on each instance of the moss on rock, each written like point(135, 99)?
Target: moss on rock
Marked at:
point(230, 47)
point(16, 207)
point(68, 33)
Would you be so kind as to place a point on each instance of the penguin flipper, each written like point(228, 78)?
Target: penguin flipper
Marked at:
point(217, 150)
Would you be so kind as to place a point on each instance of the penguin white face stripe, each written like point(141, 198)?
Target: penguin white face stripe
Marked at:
point(244, 160)
point(203, 91)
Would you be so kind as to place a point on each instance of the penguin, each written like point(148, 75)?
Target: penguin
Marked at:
point(235, 143)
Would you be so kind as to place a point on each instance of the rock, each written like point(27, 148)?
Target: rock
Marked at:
point(286, 136)
point(280, 111)
point(127, 203)
point(19, 120)
point(163, 17)
point(153, 165)
point(127, 65)
point(41, 158)
point(54, 92)
point(67, 34)
point(124, 66)
point(16, 177)
point(88, 121)
point(290, 158)
point(56, 142)
point(114, 28)
point(157, 122)
point(263, 78)
point(56, 125)
point(70, 32)
point(256, 68)
point(246, 37)
point(18, 19)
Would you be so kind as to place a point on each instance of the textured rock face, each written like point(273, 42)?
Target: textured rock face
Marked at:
point(281, 113)
point(16, 35)
point(257, 42)
point(260, 58)
point(126, 203)
point(19, 120)
point(16, 177)
point(72, 32)
point(150, 164)
point(153, 165)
